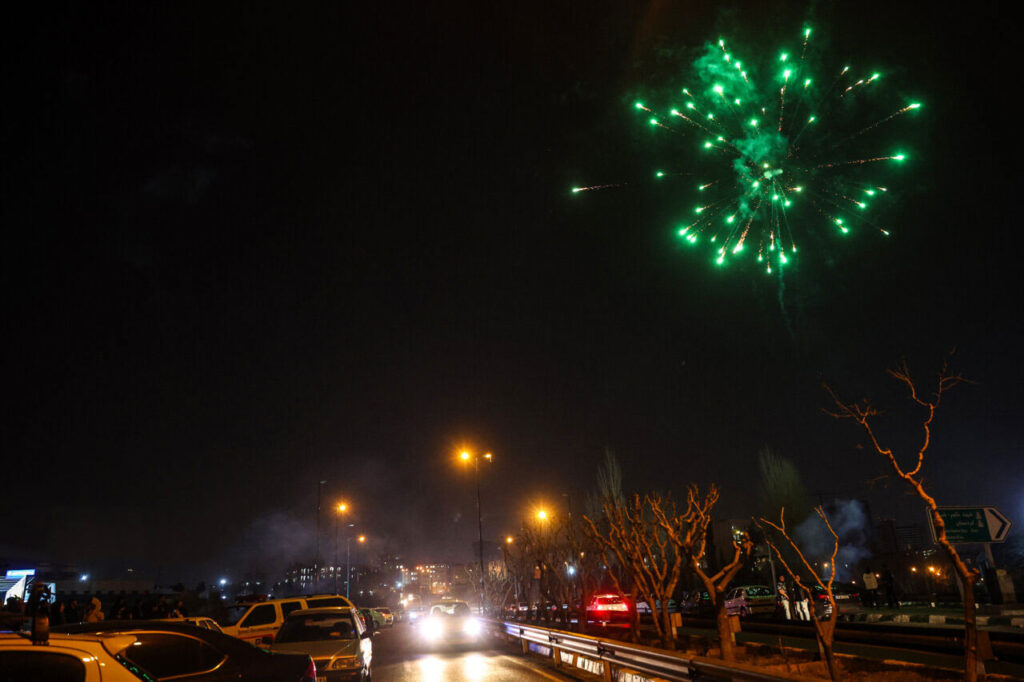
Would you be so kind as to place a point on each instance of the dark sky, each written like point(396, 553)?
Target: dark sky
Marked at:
point(246, 250)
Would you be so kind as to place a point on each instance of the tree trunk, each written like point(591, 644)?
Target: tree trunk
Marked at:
point(830, 658)
point(667, 640)
point(634, 625)
point(724, 630)
point(970, 631)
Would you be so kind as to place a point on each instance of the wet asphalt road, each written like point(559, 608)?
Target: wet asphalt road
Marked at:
point(399, 655)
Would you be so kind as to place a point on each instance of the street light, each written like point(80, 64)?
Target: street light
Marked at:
point(465, 456)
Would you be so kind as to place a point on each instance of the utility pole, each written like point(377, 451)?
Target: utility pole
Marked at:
point(316, 560)
point(480, 532)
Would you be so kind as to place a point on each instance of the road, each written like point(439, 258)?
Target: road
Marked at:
point(398, 656)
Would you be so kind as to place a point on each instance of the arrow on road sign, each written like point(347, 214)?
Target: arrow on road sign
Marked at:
point(998, 525)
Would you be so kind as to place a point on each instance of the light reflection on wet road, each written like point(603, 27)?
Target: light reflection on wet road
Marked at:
point(399, 656)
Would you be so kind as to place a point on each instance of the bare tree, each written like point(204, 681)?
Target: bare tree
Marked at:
point(643, 548)
point(689, 533)
point(799, 568)
point(863, 413)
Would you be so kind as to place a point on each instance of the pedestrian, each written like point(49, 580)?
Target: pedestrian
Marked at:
point(179, 610)
point(136, 612)
point(74, 612)
point(889, 583)
point(161, 610)
point(782, 594)
point(870, 588)
point(94, 612)
point(538, 573)
point(802, 605)
point(57, 613)
point(119, 610)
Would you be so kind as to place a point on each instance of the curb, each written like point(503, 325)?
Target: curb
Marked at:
point(931, 619)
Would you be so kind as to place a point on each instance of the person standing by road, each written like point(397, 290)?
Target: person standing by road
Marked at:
point(889, 585)
point(870, 587)
point(782, 594)
point(94, 612)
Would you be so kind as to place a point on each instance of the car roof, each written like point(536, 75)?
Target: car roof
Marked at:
point(112, 642)
point(321, 609)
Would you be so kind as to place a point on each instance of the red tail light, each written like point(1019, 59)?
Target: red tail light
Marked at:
point(310, 672)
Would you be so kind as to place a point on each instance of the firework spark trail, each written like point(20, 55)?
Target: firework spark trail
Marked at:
point(592, 188)
point(772, 170)
point(861, 162)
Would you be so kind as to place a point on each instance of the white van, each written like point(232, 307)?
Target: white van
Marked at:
point(258, 622)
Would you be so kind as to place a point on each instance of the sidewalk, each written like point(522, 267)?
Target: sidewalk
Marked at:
point(1011, 615)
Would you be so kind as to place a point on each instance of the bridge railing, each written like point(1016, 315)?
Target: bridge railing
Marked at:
point(615, 660)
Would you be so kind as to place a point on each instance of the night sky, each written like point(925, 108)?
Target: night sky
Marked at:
point(247, 250)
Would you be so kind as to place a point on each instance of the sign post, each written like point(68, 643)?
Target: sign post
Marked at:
point(967, 525)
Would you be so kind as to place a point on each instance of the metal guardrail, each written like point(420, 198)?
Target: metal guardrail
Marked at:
point(614, 657)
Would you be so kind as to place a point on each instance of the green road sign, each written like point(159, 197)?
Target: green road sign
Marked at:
point(973, 524)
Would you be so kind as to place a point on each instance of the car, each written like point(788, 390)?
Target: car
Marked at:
point(181, 650)
point(85, 657)
point(644, 608)
point(609, 610)
point(374, 618)
point(697, 602)
point(334, 637)
point(389, 618)
point(414, 613)
point(450, 623)
point(259, 621)
point(198, 621)
point(748, 600)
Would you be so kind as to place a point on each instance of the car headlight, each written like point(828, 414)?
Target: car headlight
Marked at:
point(431, 628)
point(471, 627)
point(344, 663)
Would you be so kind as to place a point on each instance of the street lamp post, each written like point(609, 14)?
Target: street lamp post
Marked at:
point(316, 559)
point(342, 508)
point(466, 456)
point(348, 559)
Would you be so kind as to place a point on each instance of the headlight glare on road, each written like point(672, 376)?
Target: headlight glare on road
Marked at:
point(471, 627)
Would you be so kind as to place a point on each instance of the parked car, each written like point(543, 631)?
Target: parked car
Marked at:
point(373, 618)
point(86, 657)
point(181, 650)
point(750, 600)
point(259, 621)
point(644, 608)
point(609, 610)
point(198, 621)
point(389, 618)
point(697, 602)
point(334, 637)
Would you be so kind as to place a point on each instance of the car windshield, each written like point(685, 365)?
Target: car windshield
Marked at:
point(234, 614)
point(458, 608)
point(317, 627)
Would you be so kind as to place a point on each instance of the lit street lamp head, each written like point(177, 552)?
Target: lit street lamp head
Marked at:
point(542, 515)
point(362, 538)
point(342, 508)
point(509, 540)
point(465, 456)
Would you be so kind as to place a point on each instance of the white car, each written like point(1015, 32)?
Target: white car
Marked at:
point(450, 622)
point(90, 658)
point(258, 622)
